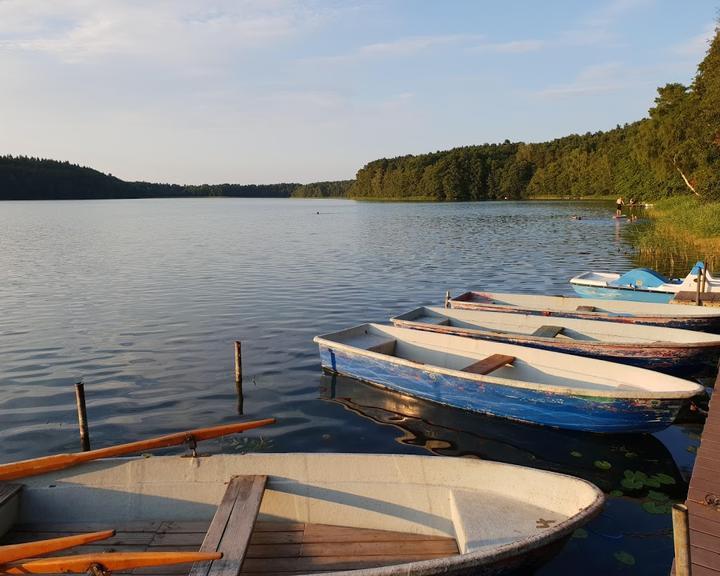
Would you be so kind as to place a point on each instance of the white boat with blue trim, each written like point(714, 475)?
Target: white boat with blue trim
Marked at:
point(625, 312)
point(642, 284)
point(516, 382)
point(681, 352)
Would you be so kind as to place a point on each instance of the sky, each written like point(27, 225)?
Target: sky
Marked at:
point(264, 91)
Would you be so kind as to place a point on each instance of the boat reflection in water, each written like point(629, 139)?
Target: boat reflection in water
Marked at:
point(636, 471)
point(631, 463)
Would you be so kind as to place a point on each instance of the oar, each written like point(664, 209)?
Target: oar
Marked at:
point(60, 461)
point(107, 562)
point(14, 552)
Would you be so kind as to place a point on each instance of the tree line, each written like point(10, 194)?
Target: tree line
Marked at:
point(676, 150)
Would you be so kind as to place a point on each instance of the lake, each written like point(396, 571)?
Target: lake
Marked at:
point(142, 300)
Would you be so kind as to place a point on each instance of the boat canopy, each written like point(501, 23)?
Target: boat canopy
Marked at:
point(640, 278)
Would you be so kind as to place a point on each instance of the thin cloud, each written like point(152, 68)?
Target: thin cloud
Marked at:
point(695, 47)
point(512, 47)
point(607, 77)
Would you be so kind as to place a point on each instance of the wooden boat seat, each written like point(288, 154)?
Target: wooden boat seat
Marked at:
point(232, 526)
point(489, 364)
point(585, 309)
point(548, 331)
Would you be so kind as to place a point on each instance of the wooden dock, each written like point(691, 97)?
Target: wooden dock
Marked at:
point(703, 500)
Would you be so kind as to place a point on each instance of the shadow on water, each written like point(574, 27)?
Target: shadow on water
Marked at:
point(637, 472)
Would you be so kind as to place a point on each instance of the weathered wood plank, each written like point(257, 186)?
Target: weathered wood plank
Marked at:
point(548, 331)
point(266, 526)
point(489, 364)
point(331, 562)
point(328, 533)
point(232, 526)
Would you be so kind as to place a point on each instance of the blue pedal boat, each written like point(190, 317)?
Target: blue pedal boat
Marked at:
point(515, 382)
point(641, 285)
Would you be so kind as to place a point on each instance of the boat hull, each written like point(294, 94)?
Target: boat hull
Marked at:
point(484, 301)
point(405, 493)
point(568, 411)
point(678, 360)
point(629, 294)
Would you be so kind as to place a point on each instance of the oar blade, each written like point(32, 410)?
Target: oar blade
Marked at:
point(13, 552)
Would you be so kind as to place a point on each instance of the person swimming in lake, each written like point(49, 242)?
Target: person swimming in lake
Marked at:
point(619, 203)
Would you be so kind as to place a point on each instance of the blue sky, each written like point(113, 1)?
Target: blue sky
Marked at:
point(261, 91)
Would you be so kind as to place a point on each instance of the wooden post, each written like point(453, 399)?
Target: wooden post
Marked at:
point(447, 298)
point(681, 539)
point(697, 289)
point(238, 362)
point(82, 416)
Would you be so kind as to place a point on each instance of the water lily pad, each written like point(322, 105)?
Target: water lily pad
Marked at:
point(658, 496)
point(652, 482)
point(580, 533)
point(602, 464)
point(664, 478)
point(576, 454)
point(652, 507)
point(625, 558)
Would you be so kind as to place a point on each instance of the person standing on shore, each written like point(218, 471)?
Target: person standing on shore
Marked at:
point(619, 203)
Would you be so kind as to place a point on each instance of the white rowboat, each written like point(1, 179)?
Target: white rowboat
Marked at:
point(383, 515)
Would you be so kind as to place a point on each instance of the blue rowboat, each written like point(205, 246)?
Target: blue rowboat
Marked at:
point(680, 352)
point(516, 382)
point(641, 285)
point(667, 315)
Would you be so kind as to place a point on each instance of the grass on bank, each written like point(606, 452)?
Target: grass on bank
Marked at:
point(680, 230)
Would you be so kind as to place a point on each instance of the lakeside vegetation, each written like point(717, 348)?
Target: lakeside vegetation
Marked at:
point(679, 232)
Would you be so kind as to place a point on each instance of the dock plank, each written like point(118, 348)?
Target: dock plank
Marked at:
point(704, 517)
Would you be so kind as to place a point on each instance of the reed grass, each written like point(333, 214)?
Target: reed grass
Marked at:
point(678, 232)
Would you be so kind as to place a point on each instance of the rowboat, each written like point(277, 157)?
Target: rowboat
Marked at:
point(516, 382)
point(667, 315)
point(642, 284)
point(681, 352)
point(386, 515)
point(448, 431)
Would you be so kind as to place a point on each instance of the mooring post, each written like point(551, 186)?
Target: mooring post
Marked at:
point(697, 288)
point(238, 362)
point(82, 416)
point(447, 298)
point(681, 539)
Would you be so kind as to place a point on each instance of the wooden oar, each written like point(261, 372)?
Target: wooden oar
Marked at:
point(60, 461)
point(107, 561)
point(14, 552)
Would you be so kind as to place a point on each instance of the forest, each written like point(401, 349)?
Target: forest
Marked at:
point(23, 178)
point(675, 150)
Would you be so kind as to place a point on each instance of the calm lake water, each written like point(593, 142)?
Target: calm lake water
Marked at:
point(142, 300)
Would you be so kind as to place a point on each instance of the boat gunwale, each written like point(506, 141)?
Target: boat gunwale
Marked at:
point(324, 340)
